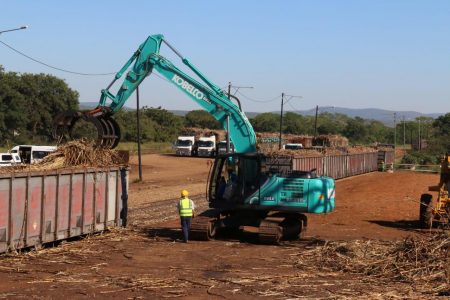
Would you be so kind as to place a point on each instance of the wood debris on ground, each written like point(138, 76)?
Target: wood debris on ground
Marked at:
point(422, 261)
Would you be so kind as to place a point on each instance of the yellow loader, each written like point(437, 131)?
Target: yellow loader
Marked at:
point(437, 209)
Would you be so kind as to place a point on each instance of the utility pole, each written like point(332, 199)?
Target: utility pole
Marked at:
point(315, 121)
point(395, 138)
point(404, 131)
point(281, 120)
point(14, 29)
point(138, 129)
point(420, 139)
point(237, 88)
point(281, 115)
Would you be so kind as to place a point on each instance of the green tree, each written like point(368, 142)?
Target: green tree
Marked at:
point(356, 131)
point(47, 95)
point(439, 142)
point(294, 123)
point(328, 123)
point(128, 125)
point(12, 119)
point(166, 124)
point(28, 104)
point(266, 122)
point(377, 132)
point(201, 119)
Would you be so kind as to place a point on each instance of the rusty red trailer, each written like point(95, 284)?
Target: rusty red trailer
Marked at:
point(42, 207)
point(338, 166)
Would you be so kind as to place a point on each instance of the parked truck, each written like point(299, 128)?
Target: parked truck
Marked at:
point(206, 146)
point(184, 145)
point(222, 148)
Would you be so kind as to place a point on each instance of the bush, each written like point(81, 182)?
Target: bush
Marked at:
point(420, 158)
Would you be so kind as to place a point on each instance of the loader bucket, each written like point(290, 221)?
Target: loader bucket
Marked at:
point(94, 124)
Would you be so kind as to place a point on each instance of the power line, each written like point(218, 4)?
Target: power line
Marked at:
point(53, 67)
point(161, 77)
point(255, 100)
point(295, 109)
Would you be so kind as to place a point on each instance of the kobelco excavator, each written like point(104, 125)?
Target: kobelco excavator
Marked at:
point(247, 190)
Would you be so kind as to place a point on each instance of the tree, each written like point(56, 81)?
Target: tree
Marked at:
point(356, 131)
point(28, 104)
point(201, 119)
point(12, 120)
point(439, 143)
point(49, 96)
point(128, 126)
point(166, 124)
point(266, 122)
point(330, 123)
point(294, 123)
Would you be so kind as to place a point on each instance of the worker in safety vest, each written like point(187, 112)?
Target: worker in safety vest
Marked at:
point(186, 210)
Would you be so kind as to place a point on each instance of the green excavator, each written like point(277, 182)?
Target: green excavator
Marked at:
point(247, 190)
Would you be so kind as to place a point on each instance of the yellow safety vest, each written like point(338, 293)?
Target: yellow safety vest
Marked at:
point(185, 207)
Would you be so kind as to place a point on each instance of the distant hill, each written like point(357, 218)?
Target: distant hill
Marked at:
point(382, 115)
point(385, 116)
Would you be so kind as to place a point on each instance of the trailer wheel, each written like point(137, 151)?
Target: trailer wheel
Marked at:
point(426, 211)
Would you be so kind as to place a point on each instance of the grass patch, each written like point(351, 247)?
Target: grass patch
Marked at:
point(146, 148)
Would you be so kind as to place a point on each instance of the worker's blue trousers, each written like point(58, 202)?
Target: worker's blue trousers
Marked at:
point(185, 225)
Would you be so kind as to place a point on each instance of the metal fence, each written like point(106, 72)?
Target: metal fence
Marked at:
point(338, 166)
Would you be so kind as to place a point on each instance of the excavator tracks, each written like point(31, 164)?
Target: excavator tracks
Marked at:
point(203, 228)
point(270, 232)
point(275, 228)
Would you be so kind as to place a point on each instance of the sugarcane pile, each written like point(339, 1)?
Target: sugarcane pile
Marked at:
point(74, 154)
point(81, 153)
point(199, 132)
point(424, 261)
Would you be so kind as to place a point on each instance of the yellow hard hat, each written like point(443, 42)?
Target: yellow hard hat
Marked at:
point(184, 193)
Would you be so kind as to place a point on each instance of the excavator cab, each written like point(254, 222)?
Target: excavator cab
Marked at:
point(234, 177)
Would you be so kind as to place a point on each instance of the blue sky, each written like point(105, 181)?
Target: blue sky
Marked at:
point(389, 54)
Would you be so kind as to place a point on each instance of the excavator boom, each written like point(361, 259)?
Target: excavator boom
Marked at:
point(141, 64)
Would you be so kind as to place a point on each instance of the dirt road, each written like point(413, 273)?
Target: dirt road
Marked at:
point(146, 261)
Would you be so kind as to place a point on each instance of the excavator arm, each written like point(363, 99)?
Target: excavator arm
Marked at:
point(144, 61)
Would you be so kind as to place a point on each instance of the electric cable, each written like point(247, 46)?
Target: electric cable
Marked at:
point(161, 77)
point(53, 67)
point(255, 100)
point(295, 109)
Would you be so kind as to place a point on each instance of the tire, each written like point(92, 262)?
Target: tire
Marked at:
point(426, 211)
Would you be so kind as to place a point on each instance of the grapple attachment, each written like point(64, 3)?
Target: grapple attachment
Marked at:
point(71, 125)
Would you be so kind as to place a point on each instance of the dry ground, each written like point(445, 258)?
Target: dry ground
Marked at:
point(146, 261)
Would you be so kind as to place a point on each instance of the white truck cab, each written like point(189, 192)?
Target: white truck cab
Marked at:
point(30, 154)
point(206, 146)
point(222, 147)
point(184, 145)
point(9, 159)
